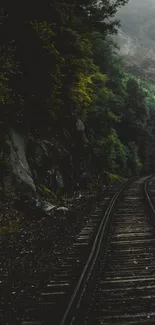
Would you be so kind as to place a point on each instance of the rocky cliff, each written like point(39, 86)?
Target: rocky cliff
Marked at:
point(34, 166)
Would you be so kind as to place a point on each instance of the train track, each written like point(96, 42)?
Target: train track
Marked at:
point(108, 277)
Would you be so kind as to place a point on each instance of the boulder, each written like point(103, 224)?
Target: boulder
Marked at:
point(80, 126)
point(63, 209)
point(48, 207)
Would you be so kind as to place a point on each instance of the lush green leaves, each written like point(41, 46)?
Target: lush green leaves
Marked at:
point(70, 69)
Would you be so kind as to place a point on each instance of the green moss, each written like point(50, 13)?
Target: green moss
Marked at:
point(113, 178)
point(46, 190)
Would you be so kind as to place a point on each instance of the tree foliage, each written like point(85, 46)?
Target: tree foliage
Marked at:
point(58, 64)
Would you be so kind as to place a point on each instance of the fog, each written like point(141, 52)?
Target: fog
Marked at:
point(136, 36)
point(137, 15)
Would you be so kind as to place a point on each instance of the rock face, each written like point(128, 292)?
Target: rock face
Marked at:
point(80, 126)
point(81, 131)
point(39, 158)
point(44, 160)
point(33, 165)
point(18, 171)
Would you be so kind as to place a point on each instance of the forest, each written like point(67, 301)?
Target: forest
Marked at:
point(62, 79)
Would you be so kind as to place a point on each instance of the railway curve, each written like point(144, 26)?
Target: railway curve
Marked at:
point(123, 289)
point(116, 284)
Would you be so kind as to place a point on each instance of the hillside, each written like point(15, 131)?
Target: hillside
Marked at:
point(136, 37)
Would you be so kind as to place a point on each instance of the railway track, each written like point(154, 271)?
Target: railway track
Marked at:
point(54, 298)
point(123, 288)
point(117, 283)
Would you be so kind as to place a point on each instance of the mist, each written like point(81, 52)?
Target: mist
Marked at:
point(136, 36)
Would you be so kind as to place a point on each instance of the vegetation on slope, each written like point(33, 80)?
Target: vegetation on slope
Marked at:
point(59, 64)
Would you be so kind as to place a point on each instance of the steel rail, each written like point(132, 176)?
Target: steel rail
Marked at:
point(88, 268)
point(147, 196)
